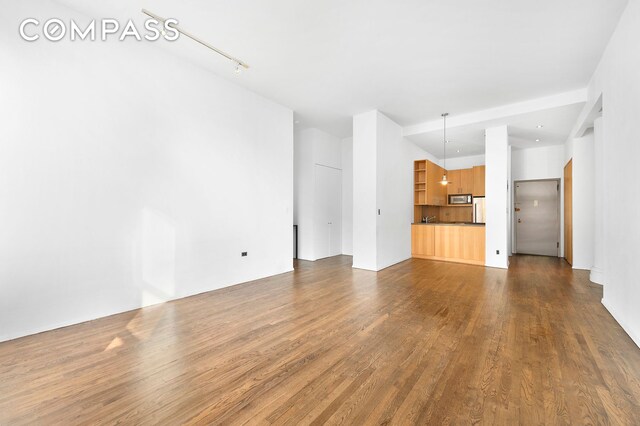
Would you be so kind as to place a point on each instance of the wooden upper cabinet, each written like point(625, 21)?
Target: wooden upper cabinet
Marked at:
point(461, 181)
point(454, 176)
point(435, 191)
point(466, 181)
point(478, 181)
point(429, 191)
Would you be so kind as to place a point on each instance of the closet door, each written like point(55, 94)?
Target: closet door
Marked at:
point(328, 212)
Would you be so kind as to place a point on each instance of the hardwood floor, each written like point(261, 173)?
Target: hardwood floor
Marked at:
point(422, 342)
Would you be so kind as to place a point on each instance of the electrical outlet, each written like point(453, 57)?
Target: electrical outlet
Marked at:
point(244, 254)
point(497, 251)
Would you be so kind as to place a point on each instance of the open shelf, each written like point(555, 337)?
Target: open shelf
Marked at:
point(420, 182)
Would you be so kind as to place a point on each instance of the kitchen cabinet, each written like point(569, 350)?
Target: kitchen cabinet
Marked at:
point(462, 181)
point(466, 181)
point(438, 190)
point(453, 243)
point(454, 177)
point(478, 181)
point(427, 187)
point(423, 240)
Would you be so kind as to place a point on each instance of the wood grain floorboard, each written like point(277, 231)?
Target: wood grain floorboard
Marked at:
point(421, 342)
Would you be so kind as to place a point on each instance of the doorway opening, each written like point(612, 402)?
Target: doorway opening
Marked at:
point(537, 217)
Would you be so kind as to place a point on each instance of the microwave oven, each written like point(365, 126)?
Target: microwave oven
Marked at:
point(460, 199)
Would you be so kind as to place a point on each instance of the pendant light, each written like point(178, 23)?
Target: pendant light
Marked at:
point(444, 180)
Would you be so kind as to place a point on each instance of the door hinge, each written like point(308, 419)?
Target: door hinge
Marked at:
point(558, 244)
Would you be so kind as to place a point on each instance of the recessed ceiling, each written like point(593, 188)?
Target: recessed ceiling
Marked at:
point(523, 132)
point(328, 60)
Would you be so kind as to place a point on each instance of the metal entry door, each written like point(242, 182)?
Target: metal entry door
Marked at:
point(537, 217)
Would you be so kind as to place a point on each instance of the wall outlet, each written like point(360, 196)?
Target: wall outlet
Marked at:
point(244, 254)
point(497, 251)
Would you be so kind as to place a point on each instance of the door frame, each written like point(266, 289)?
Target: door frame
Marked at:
point(567, 216)
point(514, 228)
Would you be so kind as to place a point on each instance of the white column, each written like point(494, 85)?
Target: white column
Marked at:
point(497, 183)
point(598, 270)
point(365, 134)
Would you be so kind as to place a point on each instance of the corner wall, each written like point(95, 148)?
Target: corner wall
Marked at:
point(383, 191)
point(311, 147)
point(583, 202)
point(617, 80)
point(127, 186)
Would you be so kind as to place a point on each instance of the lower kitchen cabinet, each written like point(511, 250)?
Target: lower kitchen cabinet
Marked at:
point(423, 240)
point(454, 243)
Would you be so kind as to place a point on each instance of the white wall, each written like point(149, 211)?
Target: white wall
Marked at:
point(510, 205)
point(583, 198)
point(598, 269)
point(617, 79)
point(496, 185)
point(303, 213)
point(463, 162)
point(347, 196)
point(312, 147)
point(138, 178)
point(381, 240)
point(534, 164)
point(394, 192)
point(365, 220)
point(537, 163)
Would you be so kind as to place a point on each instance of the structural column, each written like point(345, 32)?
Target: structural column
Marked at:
point(598, 269)
point(365, 145)
point(497, 196)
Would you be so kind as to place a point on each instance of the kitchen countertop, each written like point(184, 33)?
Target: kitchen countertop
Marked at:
point(449, 224)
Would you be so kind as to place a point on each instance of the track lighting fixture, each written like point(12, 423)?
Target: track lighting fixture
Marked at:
point(239, 64)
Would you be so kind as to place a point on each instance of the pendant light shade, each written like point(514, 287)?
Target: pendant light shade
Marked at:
point(444, 180)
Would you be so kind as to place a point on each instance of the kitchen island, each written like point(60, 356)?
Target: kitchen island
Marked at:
point(452, 242)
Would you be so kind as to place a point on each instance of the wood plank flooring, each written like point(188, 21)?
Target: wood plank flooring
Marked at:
point(422, 342)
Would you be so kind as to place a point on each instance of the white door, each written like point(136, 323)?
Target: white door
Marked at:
point(537, 217)
point(327, 212)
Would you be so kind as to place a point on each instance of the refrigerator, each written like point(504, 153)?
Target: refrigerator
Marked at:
point(478, 210)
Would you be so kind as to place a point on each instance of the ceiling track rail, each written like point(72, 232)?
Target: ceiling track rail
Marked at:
point(158, 18)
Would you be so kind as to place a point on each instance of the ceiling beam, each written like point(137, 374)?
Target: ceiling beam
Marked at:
point(591, 111)
point(493, 116)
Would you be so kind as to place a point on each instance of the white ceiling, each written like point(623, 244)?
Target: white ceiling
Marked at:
point(523, 132)
point(411, 59)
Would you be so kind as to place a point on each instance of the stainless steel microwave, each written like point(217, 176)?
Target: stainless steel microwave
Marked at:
point(460, 199)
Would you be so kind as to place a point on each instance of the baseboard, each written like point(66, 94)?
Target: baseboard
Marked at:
point(364, 268)
point(634, 338)
point(377, 268)
point(597, 276)
point(450, 259)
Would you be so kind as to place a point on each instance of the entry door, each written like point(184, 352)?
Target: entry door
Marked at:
point(537, 217)
point(328, 212)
